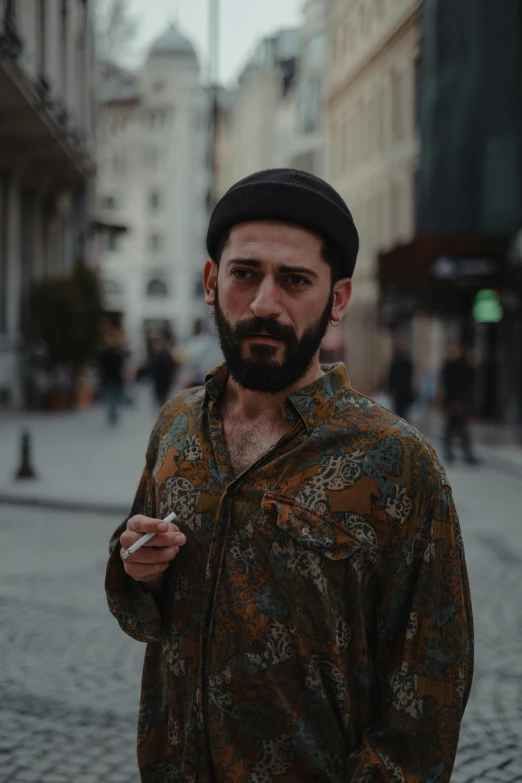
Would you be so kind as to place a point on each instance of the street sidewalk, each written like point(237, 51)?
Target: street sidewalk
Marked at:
point(497, 446)
point(81, 463)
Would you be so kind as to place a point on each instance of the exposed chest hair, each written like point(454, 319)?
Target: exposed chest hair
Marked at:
point(248, 441)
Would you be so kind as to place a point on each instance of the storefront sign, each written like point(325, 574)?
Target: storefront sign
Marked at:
point(487, 308)
point(447, 269)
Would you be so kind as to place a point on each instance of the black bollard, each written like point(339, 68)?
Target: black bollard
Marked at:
point(26, 469)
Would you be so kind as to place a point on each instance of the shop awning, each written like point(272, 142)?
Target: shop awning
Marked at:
point(431, 263)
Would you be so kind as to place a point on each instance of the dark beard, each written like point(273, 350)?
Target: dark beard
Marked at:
point(261, 372)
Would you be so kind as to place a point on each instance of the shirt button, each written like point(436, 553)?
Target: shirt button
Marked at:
point(305, 531)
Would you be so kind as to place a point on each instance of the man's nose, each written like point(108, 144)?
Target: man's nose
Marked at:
point(266, 301)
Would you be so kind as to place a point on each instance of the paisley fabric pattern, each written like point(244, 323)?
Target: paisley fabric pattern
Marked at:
point(316, 627)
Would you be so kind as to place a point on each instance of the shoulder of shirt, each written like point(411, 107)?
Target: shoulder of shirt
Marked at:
point(353, 410)
point(188, 402)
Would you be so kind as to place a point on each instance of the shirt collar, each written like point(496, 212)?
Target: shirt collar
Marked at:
point(311, 403)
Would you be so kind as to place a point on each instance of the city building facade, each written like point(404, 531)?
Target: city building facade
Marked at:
point(256, 123)
point(468, 201)
point(372, 153)
point(152, 188)
point(46, 159)
point(308, 151)
point(276, 114)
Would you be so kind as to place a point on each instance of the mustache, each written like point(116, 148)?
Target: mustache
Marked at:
point(269, 326)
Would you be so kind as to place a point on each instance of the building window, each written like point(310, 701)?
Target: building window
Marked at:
point(157, 287)
point(156, 118)
point(310, 104)
point(110, 203)
point(155, 242)
point(397, 104)
point(112, 242)
point(315, 52)
point(112, 288)
point(154, 201)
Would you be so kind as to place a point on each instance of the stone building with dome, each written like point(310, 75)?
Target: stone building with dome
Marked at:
point(151, 194)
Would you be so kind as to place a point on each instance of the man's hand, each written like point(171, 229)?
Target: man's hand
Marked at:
point(149, 563)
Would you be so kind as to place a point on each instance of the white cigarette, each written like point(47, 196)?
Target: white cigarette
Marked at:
point(143, 540)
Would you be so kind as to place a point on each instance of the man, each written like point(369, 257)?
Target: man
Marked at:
point(112, 367)
point(162, 369)
point(308, 616)
point(457, 387)
point(400, 382)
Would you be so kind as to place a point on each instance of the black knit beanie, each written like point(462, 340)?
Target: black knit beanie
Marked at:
point(293, 197)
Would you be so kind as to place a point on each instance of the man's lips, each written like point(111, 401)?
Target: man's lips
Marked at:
point(263, 337)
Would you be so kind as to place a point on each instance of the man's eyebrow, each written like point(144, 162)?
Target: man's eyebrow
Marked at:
point(291, 270)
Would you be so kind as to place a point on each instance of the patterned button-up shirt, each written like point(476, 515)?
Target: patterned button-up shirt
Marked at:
point(317, 624)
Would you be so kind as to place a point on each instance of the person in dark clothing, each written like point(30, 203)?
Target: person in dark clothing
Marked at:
point(457, 385)
point(400, 383)
point(112, 364)
point(162, 371)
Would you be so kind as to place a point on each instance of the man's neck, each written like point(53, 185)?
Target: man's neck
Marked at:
point(251, 405)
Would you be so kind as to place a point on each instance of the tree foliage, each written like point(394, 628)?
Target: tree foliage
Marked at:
point(66, 314)
point(116, 29)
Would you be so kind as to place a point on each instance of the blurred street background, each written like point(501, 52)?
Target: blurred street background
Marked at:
point(122, 122)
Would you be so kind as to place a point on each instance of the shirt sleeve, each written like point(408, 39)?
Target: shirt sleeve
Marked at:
point(425, 656)
point(137, 611)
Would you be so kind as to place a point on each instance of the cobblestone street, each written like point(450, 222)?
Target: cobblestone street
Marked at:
point(70, 678)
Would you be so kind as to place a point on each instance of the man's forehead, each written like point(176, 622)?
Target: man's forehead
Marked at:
point(277, 235)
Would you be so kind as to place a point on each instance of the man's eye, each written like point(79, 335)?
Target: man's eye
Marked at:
point(242, 274)
point(297, 280)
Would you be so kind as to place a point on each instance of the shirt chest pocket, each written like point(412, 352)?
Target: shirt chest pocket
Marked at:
point(300, 565)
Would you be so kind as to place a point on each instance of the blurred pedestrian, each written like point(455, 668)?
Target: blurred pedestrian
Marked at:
point(201, 353)
point(112, 375)
point(457, 388)
point(162, 369)
point(400, 382)
point(307, 614)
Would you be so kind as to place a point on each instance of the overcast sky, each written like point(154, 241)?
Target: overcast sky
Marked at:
point(242, 23)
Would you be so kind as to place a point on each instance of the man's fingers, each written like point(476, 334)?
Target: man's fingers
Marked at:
point(154, 556)
point(142, 525)
point(129, 537)
point(166, 534)
point(167, 539)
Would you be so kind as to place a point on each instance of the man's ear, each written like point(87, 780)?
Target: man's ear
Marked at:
point(210, 274)
point(342, 294)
